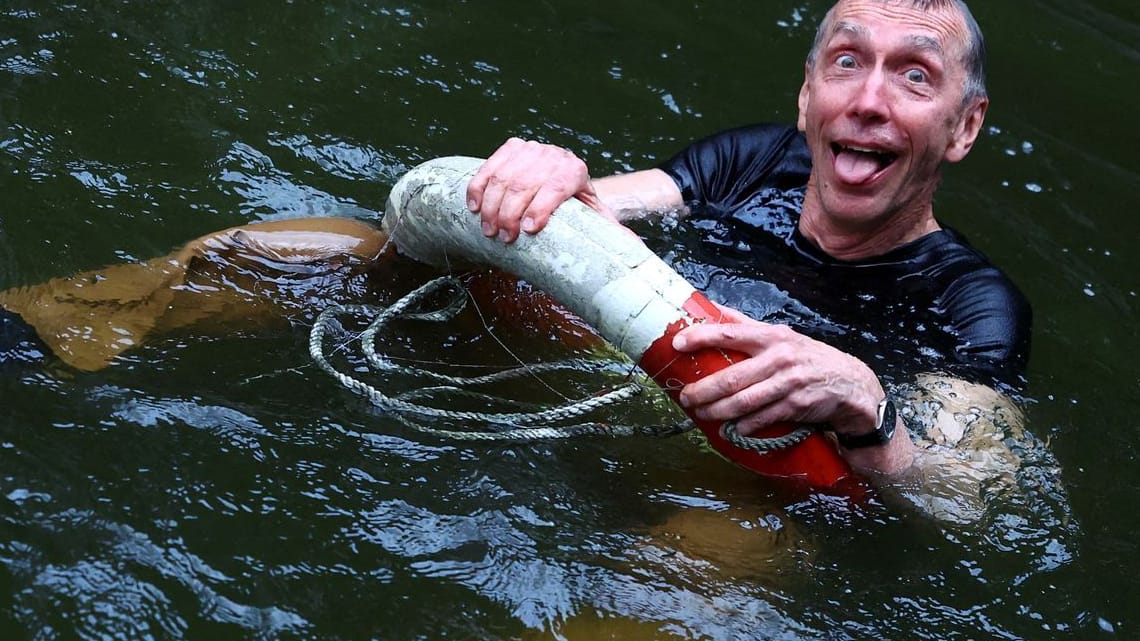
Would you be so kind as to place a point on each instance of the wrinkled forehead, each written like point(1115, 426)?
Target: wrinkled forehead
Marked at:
point(931, 25)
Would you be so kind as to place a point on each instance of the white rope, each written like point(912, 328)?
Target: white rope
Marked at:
point(507, 426)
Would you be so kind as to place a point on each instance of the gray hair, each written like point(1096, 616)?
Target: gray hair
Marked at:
point(974, 58)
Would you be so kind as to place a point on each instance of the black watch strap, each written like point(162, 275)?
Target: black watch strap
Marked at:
point(881, 435)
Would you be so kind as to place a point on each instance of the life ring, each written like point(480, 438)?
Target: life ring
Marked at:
point(612, 281)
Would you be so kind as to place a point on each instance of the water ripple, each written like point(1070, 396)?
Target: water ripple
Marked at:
point(114, 581)
point(271, 194)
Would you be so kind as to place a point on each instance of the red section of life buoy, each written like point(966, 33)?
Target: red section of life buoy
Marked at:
point(814, 461)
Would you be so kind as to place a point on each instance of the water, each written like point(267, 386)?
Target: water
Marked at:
point(216, 486)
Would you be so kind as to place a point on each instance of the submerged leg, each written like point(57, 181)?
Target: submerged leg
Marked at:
point(252, 273)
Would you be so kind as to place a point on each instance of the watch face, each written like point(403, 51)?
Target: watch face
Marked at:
point(881, 435)
point(888, 419)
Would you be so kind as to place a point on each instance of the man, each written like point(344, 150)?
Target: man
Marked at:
point(892, 89)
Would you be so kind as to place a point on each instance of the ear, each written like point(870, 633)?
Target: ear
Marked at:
point(966, 132)
point(804, 99)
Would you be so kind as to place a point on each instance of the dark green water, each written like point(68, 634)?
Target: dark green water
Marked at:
point(220, 488)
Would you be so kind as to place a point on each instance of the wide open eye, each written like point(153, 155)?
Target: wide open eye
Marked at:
point(846, 61)
point(917, 76)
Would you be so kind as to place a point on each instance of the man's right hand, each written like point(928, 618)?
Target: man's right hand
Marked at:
point(521, 185)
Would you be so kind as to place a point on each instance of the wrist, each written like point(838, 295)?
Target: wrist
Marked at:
point(892, 458)
point(859, 412)
point(881, 432)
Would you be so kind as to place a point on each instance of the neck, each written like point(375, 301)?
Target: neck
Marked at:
point(847, 240)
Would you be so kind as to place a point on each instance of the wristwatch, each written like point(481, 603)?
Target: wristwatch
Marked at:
point(881, 435)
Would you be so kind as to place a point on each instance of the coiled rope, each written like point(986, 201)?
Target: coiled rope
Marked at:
point(508, 426)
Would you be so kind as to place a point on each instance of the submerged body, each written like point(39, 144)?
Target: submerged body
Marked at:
point(247, 275)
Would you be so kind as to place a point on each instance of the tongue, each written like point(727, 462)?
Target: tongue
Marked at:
point(855, 167)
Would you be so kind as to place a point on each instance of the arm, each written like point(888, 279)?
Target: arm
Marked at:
point(523, 182)
point(633, 196)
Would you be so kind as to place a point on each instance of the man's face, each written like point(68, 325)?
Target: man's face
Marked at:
point(882, 109)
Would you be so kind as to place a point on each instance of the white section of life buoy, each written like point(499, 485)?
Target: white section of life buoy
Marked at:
point(603, 274)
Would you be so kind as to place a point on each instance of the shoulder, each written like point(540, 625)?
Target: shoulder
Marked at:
point(990, 315)
point(724, 169)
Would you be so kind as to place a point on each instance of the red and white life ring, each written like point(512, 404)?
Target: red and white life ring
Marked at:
point(611, 280)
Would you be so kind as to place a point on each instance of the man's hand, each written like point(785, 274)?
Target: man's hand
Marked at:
point(788, 377)
point(521, 185)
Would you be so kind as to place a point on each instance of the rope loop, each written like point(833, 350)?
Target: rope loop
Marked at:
point(506, 426)
point(763, 444)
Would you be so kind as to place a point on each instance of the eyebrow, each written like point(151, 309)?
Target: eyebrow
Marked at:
point(922, 43)
point(850, 28)
point(926, 43)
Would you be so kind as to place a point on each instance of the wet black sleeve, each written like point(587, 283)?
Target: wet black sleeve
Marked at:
point(722, 171)
point(993, 321)
point(990, 316)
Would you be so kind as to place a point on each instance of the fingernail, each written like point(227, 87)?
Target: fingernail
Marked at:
point(679, 343)
point(472, 205)
point(504, 235)
point(528, 225)
point(488, 230)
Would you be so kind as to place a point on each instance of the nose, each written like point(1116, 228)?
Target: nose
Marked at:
point(870, 100)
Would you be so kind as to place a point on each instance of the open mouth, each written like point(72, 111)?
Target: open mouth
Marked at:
point(859, 165)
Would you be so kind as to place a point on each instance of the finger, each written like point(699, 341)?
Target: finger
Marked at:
point(733, 315)
point(531, 172)
point(489, 211)
point(518, 197)
point(763, 403)
point(545, 201)
point(730, 381)
point(477, 186)
point(750, 337)
point(750, 424)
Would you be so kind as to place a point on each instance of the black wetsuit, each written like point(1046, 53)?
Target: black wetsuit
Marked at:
point(935, 304)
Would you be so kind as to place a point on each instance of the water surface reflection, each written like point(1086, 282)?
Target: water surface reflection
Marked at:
point(220, 486)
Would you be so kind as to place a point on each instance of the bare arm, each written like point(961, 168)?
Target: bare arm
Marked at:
point(641, 193)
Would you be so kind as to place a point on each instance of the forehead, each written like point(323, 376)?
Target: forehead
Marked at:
point(887, 21)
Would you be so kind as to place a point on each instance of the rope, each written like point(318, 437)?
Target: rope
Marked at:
point(763, 444)
point(507, 426)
